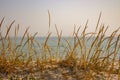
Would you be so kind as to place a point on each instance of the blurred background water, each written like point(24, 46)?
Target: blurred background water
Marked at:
point(66, 45)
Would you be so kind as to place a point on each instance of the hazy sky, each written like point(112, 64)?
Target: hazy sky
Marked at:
point(64, 13)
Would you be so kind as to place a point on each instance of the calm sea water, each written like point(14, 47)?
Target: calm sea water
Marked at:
point(66, 44)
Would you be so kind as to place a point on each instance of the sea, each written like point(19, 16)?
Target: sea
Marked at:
point(38, 48)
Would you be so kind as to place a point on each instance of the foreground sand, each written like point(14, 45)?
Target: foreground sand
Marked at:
point(56, 71)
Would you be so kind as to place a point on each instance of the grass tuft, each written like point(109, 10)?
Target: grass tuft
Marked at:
point(99, 60)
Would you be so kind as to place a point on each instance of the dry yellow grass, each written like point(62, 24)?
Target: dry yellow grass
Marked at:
point(84, 64)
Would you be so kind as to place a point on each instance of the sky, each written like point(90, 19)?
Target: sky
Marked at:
point(64, 13)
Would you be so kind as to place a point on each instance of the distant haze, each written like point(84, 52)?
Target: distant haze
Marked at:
point(64, 13)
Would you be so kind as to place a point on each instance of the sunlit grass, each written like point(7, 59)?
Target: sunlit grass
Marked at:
point(92, 62)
